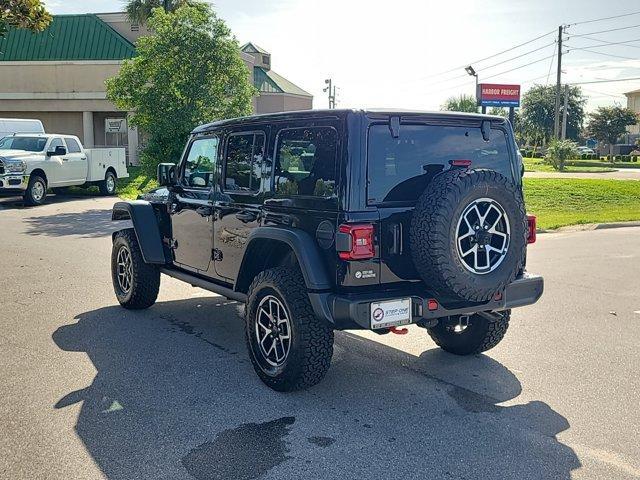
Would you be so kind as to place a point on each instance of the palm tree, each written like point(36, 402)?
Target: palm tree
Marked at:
point(139, 11)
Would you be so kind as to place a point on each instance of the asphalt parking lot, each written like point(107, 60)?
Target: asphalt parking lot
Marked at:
point(90, 390)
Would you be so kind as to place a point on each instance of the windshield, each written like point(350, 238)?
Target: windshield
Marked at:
point(30, 144)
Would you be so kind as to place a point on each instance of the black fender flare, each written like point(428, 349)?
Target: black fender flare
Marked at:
point(303, 246)
point(145, 224)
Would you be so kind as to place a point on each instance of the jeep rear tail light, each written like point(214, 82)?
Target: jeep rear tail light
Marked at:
point(460, 163)
point(355, 241)
point(531, 224)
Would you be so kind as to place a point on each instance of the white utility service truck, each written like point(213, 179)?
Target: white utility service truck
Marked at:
point(30, 164)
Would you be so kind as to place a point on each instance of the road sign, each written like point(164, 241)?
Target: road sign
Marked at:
point(498, 95)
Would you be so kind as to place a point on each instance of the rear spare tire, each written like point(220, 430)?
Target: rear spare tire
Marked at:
point(468, 234)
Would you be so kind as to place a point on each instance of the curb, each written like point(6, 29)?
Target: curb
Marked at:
point(590, 226)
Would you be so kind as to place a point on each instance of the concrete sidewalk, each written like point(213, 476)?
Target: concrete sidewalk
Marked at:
point(622, 174)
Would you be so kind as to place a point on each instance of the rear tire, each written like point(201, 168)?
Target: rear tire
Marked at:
point(108, 185)
point(36, 191)
point(479, 336)
point(309, 348)
point(136, 283)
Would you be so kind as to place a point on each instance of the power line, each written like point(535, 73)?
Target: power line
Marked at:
point(599, 53)
point(604, 18)
point(605, 81)
point(521, 66)
point(612, 30)
point(490, 56)
point(604, 43)
point(496, 64)
point(551, 63)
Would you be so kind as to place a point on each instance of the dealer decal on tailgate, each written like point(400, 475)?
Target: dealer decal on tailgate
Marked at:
point(391, 313)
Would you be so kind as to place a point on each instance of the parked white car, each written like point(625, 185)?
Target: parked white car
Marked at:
point(32, 164)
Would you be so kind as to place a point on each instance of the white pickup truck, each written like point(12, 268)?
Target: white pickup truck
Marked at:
point(30, 164)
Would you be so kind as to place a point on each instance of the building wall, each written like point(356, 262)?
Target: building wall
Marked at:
point(27, 78)
point(279, 102)
point(119, 22)
point(633, 103)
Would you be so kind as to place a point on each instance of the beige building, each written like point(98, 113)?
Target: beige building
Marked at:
point(58, 76)
point(633, 103)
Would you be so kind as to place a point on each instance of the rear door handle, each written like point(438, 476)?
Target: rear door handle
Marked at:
point(246, 216)
point(65, 159)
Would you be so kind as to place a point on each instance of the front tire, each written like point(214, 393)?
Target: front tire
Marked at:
point(135, 282)
point(479, 335)
point(36, 191)
point(290, 348)
point(107, 187)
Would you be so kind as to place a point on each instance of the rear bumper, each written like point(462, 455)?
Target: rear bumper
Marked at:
point(349, 311)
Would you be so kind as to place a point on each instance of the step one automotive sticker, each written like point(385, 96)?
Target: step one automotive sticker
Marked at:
point(365, 274)
point(393, 312)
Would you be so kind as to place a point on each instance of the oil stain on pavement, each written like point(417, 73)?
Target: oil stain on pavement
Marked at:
point(242, 453)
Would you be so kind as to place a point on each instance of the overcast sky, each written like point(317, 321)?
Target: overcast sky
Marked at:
point(387, 53)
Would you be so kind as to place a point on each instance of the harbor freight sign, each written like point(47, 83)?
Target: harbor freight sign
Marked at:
point(497, 95)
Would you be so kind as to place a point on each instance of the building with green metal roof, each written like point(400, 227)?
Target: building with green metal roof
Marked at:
point(58, 75)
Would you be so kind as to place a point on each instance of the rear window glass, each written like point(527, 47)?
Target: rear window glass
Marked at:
point(400, 168)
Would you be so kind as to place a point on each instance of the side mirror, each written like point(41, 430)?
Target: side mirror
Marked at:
point(59, 151)
point(166, 174)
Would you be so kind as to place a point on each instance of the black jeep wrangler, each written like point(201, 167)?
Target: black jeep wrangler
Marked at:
point(341, 219)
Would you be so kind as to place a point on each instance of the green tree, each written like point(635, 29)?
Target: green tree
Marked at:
point(499, 111)
point(139, 11)
point(461, 103)
point(29, 14)
point(189, 72)
point(607, 124)
point(538, 113)
point(559, 152)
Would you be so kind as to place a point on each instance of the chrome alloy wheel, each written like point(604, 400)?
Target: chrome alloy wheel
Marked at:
point(111, 184)
point(125, 269)
point(37, 190)
point(482, 236)
point(273, 330)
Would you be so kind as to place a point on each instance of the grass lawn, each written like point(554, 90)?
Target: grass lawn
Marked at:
point(567, 201)
point(584, 166)
point(129, 188)
point(137, 183)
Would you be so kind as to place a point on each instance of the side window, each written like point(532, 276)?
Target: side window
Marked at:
point(200, 163)
point(306, 162)
point(243, 169)
point(56, 142)
point(72, 145)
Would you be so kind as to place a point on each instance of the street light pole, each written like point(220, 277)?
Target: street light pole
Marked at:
point(470, 70)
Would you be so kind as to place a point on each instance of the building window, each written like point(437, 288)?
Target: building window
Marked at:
point(266, 59)
point(306, 162)
point(135, 27)
point(245, 155)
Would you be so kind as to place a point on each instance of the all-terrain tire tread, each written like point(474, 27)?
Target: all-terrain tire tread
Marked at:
point(316, 337)
point(146, 276)
point(430, 226)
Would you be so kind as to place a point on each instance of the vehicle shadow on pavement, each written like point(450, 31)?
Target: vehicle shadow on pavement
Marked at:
point(16, 202)
point(86, 223)
point(175, 396)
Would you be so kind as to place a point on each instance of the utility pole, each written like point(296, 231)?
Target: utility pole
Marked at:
point(565, 111)
point(332, 93)
point(556, 125)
